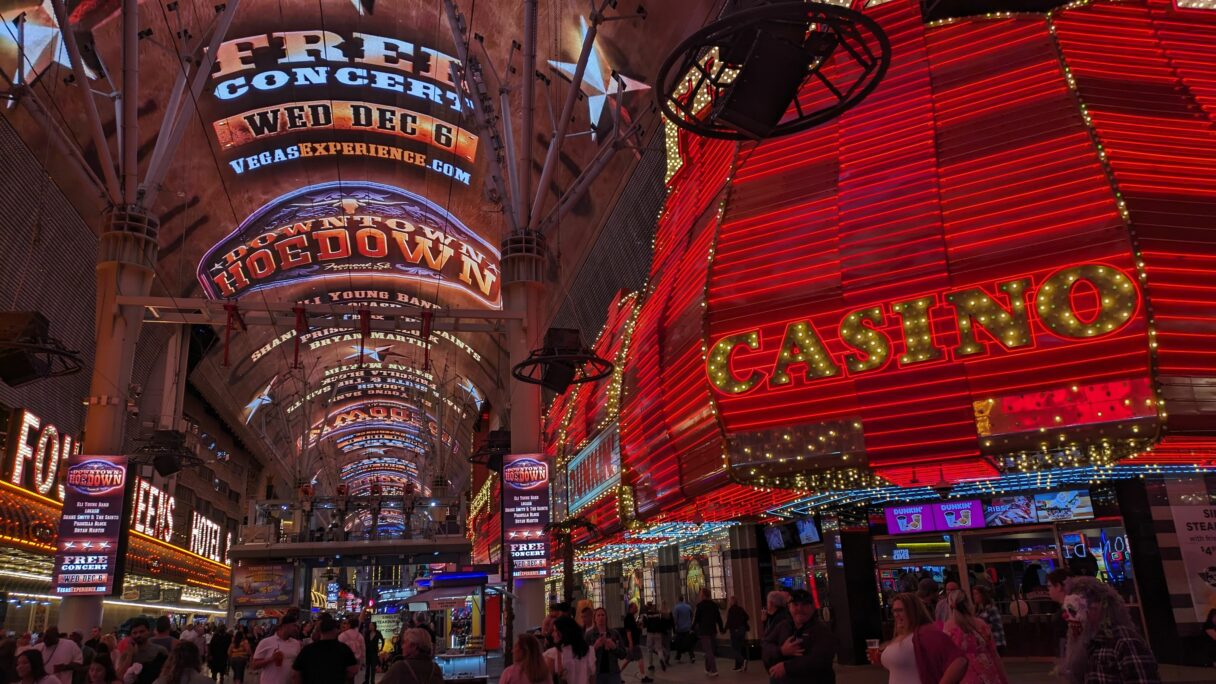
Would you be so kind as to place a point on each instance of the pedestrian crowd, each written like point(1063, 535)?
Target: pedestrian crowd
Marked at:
point(152, 651)
point(943, 636)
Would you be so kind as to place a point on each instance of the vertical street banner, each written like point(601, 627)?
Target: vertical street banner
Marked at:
point(90, 532)
point(525, 510)
point(1196, 528)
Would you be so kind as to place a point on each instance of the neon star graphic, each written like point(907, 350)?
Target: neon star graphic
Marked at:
point(598, 84)
point(373, 353)
point(262, 398)
point(44, 44)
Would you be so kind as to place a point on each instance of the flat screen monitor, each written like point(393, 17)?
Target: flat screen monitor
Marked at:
point(807, 532)
point(776, 537)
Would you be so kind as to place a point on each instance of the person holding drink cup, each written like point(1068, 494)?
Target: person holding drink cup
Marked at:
point(276, 653)
point(919, 652)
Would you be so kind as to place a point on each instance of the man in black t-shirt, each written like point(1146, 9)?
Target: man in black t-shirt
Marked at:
point(326, 660)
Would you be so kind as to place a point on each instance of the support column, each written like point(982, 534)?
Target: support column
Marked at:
point(745, 574)
point(125, 267)
point(668, 579)
point(612, 593)
point(523, 261)
point(852, 593)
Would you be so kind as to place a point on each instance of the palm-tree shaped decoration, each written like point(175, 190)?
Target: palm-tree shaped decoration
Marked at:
point(563, 532)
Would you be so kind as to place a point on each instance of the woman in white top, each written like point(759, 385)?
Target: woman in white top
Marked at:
point(570, 659)
point(919, 653)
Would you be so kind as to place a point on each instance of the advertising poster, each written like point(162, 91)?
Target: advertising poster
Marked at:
point(1073, 504)
point(263, 585)
point(1196, 528)
point(594, 469)
point(632, 584)
point(91, 529)
point(1009, 510)
point(696, 575)
point(525, 509)
point(958, 515)
point(910, 519)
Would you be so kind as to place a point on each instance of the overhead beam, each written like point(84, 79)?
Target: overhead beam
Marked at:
point(104, 158)
point(197, 311)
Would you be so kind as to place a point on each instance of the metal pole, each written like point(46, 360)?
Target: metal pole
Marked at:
point(162, 155)
point(126, 265)
point(130, 100)
point(563, 123)
point(480, 116)
point(90, 105)
point(529, 108)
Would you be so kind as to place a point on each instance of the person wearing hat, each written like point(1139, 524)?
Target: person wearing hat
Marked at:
point(808, 645)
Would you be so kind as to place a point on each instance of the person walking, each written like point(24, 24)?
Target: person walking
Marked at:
point(570, 658)
point(417, 663)
point(238, 655)
point(919, 652)
point(1103, 645)
point(276, 653)
point(373, 644)
point(354, 640)
point(808, 645)
point(143, 660)
point(737, 626)
point(328, 659)
point(217, 653)
point(657, 633)
point(528, 666)
point(974, 639)
point(61, 657)
point(31, 670)
point(986, 610)
point(633, 637)
point(682, 615)
point(185, 665)
point(708, 623)
point(609, 647)
point(101, 671)
point(776, 614)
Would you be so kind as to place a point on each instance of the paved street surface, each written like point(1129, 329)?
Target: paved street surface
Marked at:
point(1021, 671)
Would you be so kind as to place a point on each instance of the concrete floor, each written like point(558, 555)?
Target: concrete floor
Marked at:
point(1020, 670)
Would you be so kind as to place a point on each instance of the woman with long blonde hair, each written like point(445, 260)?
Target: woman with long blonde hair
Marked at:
point(974, 639)
point(529, 666)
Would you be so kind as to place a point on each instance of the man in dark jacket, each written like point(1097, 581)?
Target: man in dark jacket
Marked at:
point(708, 623)
point(808, 646)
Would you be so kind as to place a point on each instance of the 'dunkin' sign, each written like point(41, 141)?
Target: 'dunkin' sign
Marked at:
point(87, 557)
point(525, 509)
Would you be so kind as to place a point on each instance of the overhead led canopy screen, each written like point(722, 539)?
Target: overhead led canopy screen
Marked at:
point(347, 125)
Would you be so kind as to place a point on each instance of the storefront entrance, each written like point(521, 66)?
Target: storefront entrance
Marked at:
point(1014, 563)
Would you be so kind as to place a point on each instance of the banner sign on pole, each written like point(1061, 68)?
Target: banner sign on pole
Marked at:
point(525, 509)
point(91, 529)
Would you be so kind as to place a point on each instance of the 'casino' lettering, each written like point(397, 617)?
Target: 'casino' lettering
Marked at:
point(1003, 313)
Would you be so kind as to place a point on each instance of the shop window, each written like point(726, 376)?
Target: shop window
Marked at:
point(1101, 551)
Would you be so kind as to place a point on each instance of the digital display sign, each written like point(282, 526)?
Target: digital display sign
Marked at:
point(958, 515)
point(947, 516)
point(595, 469)
point(1009, 510)
point(1073, 504)
point(92, 527)
point(263, 585)
point(347, 229)
point(525, 507)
